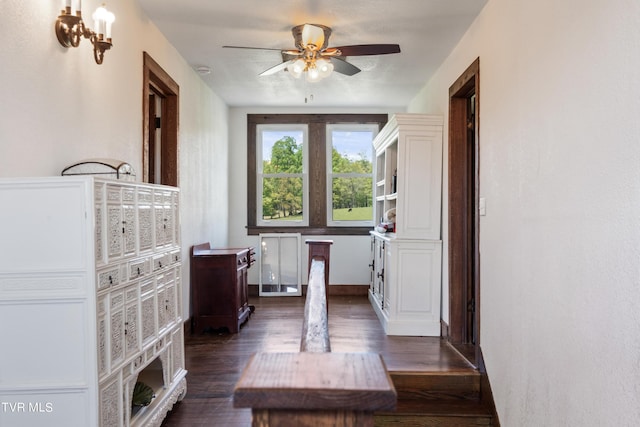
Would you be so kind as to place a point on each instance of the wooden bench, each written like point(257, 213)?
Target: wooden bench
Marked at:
point(315, 387)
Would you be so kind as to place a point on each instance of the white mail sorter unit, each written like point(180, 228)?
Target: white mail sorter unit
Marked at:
point(90, 301)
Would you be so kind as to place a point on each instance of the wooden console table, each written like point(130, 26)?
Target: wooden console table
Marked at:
point(219, 287)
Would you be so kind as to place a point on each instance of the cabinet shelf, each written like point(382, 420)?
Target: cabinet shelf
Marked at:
point(153, 377)
point(410, 146)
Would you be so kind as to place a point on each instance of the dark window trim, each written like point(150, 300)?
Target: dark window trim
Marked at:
point(317, 169)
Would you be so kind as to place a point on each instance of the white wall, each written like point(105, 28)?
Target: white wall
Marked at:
point(349, 254)
point(59, 107)
point(559, 168)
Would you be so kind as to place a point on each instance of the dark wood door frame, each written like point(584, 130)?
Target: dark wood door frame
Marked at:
point(464, 256)
point(156, 82)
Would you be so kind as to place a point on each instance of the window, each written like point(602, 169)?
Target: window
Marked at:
point(282, 178)
point(350, 174)
point(311, 173)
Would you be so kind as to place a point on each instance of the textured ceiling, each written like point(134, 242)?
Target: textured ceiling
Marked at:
point(426, 30)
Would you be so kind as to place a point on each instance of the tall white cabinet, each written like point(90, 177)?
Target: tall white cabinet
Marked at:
point(90, 290)
point(406, 265)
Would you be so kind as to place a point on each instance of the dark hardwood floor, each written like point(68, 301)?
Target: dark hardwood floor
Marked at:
point(216, 359)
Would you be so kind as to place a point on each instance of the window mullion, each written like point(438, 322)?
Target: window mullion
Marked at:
point(349, 175)
point(317, 166)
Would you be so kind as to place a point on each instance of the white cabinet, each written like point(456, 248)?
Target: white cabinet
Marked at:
point(406, 269)
point(89, 301)
point(406, 291)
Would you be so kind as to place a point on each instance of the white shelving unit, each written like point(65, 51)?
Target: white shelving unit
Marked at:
point(90, 295)
point(406, 270)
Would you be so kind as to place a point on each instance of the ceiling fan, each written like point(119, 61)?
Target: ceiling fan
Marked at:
point(315, 59)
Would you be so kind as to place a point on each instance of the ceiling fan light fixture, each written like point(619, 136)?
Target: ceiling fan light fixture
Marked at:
point(324, 67)
point(297, 68)
point(313, 58)
point(313, 74)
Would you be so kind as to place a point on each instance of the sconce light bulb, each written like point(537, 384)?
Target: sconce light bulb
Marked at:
point(100, 19)
point(110, 18)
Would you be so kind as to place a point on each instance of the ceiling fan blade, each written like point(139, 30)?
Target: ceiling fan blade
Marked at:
point(287, 56)
point(275, 68)
point(343, 67)
point(249, 47)
point(368, 49)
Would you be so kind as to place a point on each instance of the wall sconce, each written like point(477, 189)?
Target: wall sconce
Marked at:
point(70, 28)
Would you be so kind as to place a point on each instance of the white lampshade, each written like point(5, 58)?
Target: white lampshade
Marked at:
point(313, 75)
point(297, 68)
point(325, 67)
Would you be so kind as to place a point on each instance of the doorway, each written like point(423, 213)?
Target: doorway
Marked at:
point(160, 103)
point(464, 254)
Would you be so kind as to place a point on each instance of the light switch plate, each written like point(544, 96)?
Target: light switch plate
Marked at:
point(482, 209)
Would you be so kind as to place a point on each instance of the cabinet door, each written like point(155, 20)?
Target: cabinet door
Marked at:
point(165, 209)
point(116, 329)
point(129, 221)
point(114, 231)
point(162, 303)
point(388, 279)
point(99, 232)
point(162, 320)
point(102, 310)
point(171, 219)
point(372, 265)
point(111, 407)
point(132, 321)
point(121, 222)
point(145, 220)
point(417, 267)
point(178, 282)
point(148, 308)
point(159, 218)
point(170, 303)
point(380, 268)
point(177, 352)
point(242, 291)
point(420, 183)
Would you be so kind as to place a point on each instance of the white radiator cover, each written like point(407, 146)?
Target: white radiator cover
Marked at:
point(280, 264)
